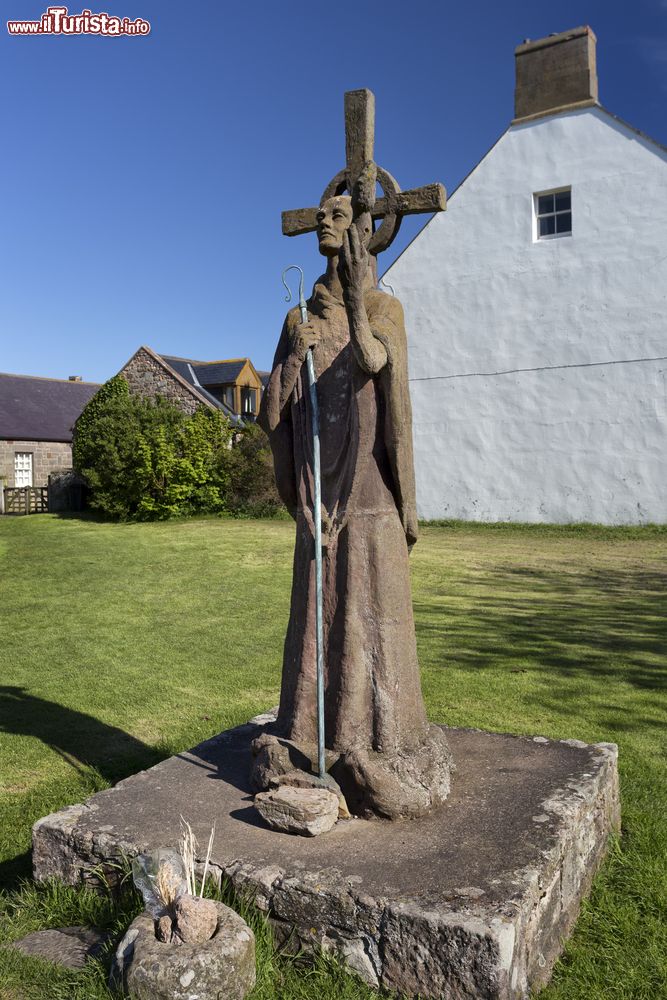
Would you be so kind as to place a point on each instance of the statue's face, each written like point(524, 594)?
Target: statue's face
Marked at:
point(333, 218)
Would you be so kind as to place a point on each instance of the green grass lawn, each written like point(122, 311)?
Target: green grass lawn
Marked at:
point(120, 644)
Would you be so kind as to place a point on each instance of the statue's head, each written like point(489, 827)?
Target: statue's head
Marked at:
point(333, 218)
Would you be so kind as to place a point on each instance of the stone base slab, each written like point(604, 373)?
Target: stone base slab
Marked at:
point(473, 901)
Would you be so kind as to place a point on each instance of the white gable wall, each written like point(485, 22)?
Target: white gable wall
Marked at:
point(480, 295)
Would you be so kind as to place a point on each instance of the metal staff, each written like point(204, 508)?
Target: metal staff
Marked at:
point(317, 523)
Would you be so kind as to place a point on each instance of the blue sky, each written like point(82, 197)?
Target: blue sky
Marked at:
point(143, 178)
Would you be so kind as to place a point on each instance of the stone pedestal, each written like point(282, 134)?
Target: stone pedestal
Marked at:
point(473, 900)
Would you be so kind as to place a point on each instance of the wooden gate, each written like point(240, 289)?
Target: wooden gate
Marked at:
point(26, 499)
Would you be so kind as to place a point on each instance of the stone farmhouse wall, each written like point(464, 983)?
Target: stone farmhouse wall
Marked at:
point(47, 457)
point(147, 377)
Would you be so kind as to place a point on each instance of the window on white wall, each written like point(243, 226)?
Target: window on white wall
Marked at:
point(22, 468)
point(553, 213)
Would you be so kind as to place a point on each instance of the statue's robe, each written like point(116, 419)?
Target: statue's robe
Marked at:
point(372, 689)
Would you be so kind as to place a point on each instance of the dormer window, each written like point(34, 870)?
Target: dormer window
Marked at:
point(553, 213)
point(248, 401)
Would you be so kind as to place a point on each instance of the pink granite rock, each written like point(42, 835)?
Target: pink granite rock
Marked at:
point(195, 920)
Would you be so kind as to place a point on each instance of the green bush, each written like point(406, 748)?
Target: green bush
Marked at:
point(144, 459)
point(85, 429)
point(252, 487)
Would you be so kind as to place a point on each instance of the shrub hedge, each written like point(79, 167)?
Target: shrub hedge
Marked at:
point(144, 459)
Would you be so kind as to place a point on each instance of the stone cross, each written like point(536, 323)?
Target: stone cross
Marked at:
point(359, 179)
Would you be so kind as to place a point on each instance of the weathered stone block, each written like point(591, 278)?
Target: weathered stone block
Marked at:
point(304, 811)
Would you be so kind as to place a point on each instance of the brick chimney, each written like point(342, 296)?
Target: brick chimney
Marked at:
point(76, 378)
point(555, 73)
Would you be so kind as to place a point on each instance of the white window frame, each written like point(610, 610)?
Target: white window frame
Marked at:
point(536, 216)
point(247, 401)
point(23, 467)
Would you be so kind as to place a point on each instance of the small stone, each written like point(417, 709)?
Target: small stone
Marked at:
point(163, 928)
point(300, 779)
point(271, 759)
point(67, 946)
point(265, 718)
point(195, 919)
point(278, 762)
point(306, 811)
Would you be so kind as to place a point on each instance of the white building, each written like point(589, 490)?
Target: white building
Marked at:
point(536, 314)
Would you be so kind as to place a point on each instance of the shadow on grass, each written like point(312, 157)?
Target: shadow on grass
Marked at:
point(81, 515)
point(81, 740)
point(15, 870)
point(609, 625)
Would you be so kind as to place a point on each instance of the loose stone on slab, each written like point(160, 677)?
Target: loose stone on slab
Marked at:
point(306, 811)
point(272, 758)
point(71, 947)
point(278, 762)
point(299, 779)
point(224, 966)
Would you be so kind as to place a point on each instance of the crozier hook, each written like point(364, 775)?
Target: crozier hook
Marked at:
point(288, 297)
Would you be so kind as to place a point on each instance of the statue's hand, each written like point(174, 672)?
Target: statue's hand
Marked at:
point(353, 263)
point(304, 337)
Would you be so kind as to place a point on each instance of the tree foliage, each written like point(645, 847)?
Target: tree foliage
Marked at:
point(144, 459)
point(85, 431)
point(252, 485)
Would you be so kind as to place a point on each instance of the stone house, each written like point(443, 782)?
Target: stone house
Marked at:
point(535, 310)
point(233, 386)
point(36, 420)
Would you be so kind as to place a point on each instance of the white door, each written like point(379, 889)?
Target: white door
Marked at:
point(23, 468)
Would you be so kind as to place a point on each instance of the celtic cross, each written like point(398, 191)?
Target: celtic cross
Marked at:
point(359, 179)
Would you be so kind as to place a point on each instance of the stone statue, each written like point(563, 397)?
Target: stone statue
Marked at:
point(384, 755)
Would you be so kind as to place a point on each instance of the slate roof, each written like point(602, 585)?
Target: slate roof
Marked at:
point(264, 376)
point(208, 372)
point(188, 370)
point(41, 409)
point(219, 372)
